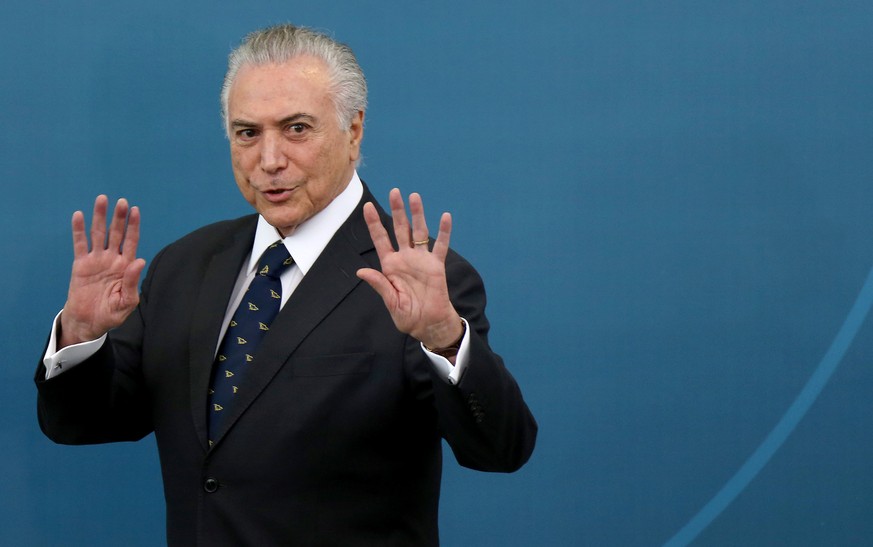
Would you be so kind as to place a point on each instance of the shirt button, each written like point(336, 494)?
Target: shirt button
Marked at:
point(210, 485)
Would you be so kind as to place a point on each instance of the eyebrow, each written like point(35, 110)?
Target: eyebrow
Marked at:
point(301, 116)
point(242, 123)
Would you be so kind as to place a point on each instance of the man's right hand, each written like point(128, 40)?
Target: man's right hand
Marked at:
point(104, 283)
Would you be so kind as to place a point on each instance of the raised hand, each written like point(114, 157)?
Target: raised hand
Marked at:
point(412, 282)
point(104, 281)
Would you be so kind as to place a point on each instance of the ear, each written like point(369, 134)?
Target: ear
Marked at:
point(356, 135)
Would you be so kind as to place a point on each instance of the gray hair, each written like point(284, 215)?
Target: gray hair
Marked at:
point(281, 43)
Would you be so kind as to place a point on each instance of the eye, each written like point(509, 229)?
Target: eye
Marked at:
point(297, 127)
point(246, 134)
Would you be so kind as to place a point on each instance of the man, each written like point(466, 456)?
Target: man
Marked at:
point(328, 431)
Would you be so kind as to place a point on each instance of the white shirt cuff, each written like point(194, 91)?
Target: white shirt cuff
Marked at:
point(56, 361)
point(444, 368)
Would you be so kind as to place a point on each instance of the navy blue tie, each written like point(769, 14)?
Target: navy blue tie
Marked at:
point(247, 328)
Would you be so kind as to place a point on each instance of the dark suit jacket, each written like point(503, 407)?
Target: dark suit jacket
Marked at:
point(337, 440)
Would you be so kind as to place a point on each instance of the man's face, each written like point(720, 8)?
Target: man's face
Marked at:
point(290, 157)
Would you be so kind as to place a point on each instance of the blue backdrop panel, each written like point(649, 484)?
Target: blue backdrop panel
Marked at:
point(669, 204)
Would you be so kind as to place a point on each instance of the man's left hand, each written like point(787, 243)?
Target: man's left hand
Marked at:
point(412, 282)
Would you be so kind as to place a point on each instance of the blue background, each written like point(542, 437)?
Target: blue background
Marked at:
point(669, 202)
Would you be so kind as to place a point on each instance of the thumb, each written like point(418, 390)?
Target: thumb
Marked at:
point(380, 284)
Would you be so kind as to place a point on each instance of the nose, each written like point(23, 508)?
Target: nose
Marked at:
point(273, 157)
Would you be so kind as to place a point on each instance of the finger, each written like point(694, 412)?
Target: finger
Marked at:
point(80, 240)
point(98, 223)
point(441, 245)
point(130, 282)
point(378, 234)
point(131, 235)
point(419, 224)
point(116, 227)
point(401, 222)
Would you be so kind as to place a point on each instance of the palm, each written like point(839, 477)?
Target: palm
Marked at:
point(103, 284)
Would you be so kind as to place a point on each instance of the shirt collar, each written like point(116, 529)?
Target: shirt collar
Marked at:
point(311, 237)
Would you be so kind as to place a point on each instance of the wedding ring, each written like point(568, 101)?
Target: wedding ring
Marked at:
point(422, 242)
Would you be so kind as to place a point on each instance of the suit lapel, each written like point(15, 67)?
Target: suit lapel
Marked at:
point(221, 275)
point(331, 278)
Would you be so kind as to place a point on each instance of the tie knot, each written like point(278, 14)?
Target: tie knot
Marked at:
point(274, 260)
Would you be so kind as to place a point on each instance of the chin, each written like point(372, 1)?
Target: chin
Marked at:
point(282, 222)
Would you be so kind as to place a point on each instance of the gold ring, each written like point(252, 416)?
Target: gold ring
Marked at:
point(422, 242)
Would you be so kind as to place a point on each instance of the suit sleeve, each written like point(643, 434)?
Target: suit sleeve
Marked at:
point(484, 417)
point(102, 399)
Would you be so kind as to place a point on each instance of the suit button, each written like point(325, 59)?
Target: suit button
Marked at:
point(210, 485)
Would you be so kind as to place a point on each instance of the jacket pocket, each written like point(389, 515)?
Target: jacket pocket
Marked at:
point(332, 365)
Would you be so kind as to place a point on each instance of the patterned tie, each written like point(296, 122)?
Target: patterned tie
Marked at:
point(247, 328)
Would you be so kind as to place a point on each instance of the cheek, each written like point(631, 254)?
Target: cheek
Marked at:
point(332, 159)
point(246, 190)
point(243, 160)
point(241, 176)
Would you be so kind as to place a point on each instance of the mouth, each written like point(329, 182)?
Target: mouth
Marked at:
point(278, 195)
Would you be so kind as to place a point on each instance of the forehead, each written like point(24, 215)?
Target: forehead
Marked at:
point(301, 82)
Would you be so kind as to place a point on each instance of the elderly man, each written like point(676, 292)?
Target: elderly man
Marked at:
point(292, 403)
